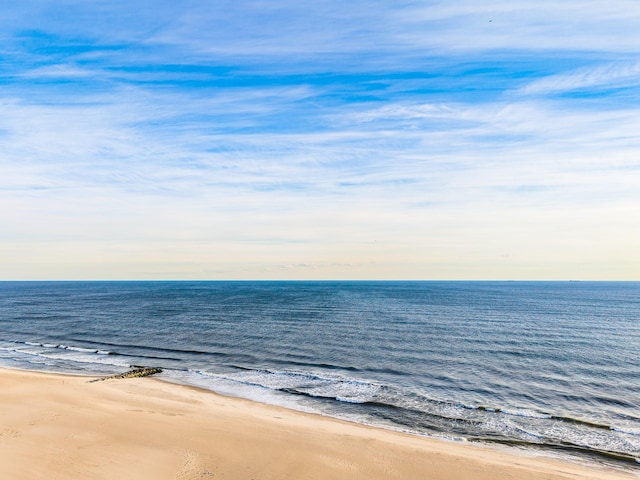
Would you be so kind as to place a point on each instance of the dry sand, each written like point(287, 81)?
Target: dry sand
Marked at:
point(60, 427)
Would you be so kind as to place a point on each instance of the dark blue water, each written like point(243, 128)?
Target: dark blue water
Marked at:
point(543, 365)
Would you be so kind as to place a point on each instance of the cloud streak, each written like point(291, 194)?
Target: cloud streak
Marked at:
point(253, 140)
point(609, 77)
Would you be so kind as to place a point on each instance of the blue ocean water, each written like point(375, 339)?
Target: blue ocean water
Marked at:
point(551, 366)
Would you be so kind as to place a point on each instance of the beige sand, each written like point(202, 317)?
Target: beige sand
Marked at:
point(57, 427)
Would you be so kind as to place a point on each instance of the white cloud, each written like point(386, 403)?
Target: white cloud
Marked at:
point(601, 77)
point(126, 153)
point(525, 26)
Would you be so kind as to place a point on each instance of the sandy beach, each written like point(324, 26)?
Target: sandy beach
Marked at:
point(63, 427)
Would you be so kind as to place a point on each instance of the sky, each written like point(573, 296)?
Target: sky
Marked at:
point(320, 140)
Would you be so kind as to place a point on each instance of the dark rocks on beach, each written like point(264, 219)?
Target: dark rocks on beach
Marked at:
point(133, 373)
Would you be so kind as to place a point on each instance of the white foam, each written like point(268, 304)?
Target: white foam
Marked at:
point(628, 431)
point(274, 379)
point(220, 384)
point(350, 400)
point(78, 349)
point(75, 356)
point(253, 381)
point(346, 391)
point(524, 413)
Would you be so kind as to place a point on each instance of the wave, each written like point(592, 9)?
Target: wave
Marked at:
point(61, 346)
point(628, 431)
point(78, 349)
point(73, 348)
point(136, 347)
point(306, 383)
point(596, 454)
point(330, 387)
point(325, 366)
point(522, 413)
point(79, 357)
point(55, 354)
point(392, 407)
point(333, 396)
point(336, 391)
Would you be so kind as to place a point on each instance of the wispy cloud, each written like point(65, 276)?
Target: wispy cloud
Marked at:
point(523, 26)
point(611, 76)
point(368, 139)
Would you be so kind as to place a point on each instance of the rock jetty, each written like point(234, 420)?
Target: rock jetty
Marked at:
point(133, 373)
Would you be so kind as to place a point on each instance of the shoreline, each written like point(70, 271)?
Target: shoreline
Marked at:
point(61, 426)
point(593, 459)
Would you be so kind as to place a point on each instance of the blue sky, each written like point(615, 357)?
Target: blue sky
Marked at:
point(255, 139)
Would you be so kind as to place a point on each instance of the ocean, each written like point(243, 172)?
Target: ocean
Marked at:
point(550, 367)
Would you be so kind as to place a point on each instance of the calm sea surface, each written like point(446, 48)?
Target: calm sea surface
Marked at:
point(542, 365)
